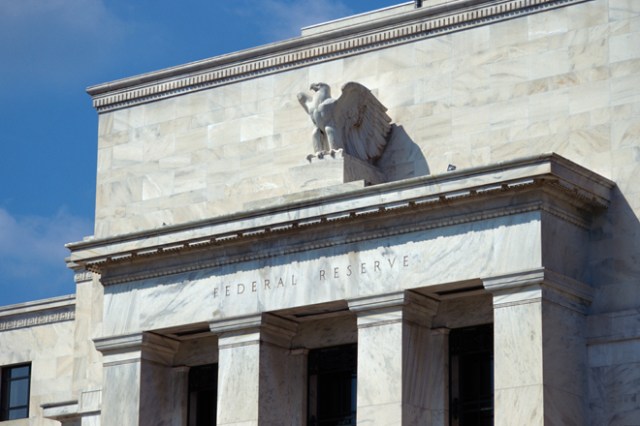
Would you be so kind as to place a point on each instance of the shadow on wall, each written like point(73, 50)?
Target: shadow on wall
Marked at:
point(614, 265)
point(613, 272)
point(402, 157)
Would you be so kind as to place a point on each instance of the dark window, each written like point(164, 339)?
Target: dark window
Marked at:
point(471, 376)
point(14, 392)
point(203, 395)
point(332, 386)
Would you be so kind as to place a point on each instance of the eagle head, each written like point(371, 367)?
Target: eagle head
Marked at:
point(321, 87)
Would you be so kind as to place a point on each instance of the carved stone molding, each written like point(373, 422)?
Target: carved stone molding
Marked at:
point(534, 285)
point(38, 313)
point(136, 347)
point(82, 276)
point(373, 311)
point(252, 329)
point(580, 193)
point(421, 23)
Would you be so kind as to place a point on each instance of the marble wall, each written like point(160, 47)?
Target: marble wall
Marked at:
point(40, 333)
point(561, 291)
point(409, 261)
point(562, 80)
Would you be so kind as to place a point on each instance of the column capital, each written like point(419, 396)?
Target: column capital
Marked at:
point(392, 300)
point(249, 329)
point(392, 307)
point(538, 284)
point(136, 347)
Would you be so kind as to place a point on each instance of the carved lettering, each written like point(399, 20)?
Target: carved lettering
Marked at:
point(336, 272)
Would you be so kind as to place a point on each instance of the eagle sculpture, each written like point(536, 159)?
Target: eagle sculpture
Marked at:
point(356, 122)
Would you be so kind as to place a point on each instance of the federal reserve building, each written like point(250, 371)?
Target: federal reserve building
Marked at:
point(426, 214)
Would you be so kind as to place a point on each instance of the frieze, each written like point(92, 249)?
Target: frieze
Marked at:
point(324, 274)
point(83, 276)
point(37, 318)
point(544, 176)
point(422, 23)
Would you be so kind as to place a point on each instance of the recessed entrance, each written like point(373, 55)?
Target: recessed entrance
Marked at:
point(471, 376)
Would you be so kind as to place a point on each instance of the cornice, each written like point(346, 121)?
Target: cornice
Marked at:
point(421, 23)
point(549, 174)
point(41, 312)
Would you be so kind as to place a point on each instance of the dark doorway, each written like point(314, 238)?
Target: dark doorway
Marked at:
point(471, 376)
point(203, 395)
point(332, 386)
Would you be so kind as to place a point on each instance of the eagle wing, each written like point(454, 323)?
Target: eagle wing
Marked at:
point(362, 121)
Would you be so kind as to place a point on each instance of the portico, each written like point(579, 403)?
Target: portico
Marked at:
point(392, 261)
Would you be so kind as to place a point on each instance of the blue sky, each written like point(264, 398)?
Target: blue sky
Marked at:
point(50, 51)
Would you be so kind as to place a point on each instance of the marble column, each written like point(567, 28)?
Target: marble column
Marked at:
point(539, 348)
point(180, 392)
point(137, 379)
point(298, 380)
point(394, 361)
point(254, 371)
point(438, 377)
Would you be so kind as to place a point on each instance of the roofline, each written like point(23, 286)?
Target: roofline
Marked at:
point(419, 23)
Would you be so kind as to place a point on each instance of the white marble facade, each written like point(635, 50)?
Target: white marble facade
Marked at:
point(506, 195)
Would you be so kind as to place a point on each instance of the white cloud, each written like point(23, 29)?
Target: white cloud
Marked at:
point(32, 254)
point(284, 18)
point(42, 237)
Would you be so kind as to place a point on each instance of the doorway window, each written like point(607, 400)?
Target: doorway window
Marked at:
point(203, 395)
point(332, 386)
point(471, 376)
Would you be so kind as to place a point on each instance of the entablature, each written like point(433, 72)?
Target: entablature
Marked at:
point(389, 30)
point(40, 312)
point(559, 187)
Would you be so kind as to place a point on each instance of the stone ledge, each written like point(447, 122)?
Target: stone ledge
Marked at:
point(424, 22)
point(547, 174)
point(40, 312)
point(61, 411)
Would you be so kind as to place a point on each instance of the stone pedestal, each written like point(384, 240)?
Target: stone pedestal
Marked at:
point(137, 380)
point(341, 167)
point(254, 372)
point(394, 361)
point(540, 352)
